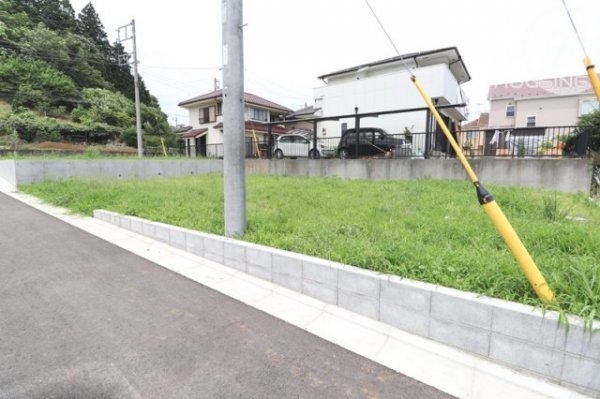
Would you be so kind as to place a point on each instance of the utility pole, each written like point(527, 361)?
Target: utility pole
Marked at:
point(138, 114)
point(233, 119)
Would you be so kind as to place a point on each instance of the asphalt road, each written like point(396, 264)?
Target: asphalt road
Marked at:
point(81, 318)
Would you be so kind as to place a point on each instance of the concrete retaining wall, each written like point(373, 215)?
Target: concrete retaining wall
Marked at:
point(515, 335)
point(7, 173)
point(566, 175)
point(32, 171)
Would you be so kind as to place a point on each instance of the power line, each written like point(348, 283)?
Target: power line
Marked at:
point(191, 68)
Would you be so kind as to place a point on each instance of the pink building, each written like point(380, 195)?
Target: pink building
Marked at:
point(547, 102)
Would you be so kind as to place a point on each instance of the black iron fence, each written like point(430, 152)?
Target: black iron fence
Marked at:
point(530, 142)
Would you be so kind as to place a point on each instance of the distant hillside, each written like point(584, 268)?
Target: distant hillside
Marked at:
point(61, 66)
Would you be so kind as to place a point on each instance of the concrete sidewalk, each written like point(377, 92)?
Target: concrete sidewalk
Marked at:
point(82, 315)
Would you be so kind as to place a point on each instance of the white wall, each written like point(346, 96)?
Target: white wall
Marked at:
point(381, 92)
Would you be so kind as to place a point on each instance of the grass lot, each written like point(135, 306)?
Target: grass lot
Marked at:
point(427, 230)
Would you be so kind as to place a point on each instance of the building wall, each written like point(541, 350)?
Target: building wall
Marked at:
point(556, 111)
point(498, 116)
point(559, 111)
point(214, 137)
point(381, 92)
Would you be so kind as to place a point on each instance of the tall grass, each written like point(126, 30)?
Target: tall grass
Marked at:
point(427, 230)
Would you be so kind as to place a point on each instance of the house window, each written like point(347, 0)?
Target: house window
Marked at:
point(207, 115)
point(219, 108)
point(531, 121)
point(256, 114)
point(587, 106)
point(510, 110)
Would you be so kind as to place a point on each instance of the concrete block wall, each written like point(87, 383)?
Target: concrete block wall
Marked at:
point(514, 335)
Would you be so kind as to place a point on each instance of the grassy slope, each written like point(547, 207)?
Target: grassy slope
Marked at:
point(427, 230)
point(5, 108)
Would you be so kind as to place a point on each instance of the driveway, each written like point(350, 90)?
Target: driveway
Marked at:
point(82, 318)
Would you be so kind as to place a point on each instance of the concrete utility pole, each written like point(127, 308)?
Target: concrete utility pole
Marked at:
point(233, 118)
point(138, 114)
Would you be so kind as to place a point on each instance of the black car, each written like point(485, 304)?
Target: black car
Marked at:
point(370, 141)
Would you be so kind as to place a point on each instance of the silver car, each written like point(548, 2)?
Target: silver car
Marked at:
point(296, 145)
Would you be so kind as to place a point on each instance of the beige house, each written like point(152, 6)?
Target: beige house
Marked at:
point(532, 118)
point(205, 135)
point(547, 102)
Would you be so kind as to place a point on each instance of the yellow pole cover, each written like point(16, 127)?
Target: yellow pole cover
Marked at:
point(591, 70)
point(520, 253)
point(512, 240)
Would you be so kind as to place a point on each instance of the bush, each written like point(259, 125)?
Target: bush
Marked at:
point(590, 124)
point(30, 127)
point(44, 135)
point(129, 137)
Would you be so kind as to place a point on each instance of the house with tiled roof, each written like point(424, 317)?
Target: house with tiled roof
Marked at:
point(204, 137)
point(535, 103)
point(480, 123)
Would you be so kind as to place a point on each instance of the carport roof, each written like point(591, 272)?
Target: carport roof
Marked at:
point(257, 127)
point(194, 133)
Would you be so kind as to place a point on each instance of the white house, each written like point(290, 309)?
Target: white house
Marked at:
point(386, 85)
point(205, 135)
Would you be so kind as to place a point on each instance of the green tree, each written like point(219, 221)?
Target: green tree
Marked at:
point(55, 14)
point(11, 24)
point(34, 83)
point(104, 106)
point(66, 52)
point(155, 121)
point(90, 26)
point(120, 74)
point(591, 123)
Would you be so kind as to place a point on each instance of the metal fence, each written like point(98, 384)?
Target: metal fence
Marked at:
point(531, 142)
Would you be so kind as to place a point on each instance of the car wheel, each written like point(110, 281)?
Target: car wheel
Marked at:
point(279, 154)
point(343, 154)
point(314, 154)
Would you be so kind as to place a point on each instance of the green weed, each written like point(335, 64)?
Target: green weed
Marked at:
point(428, 230)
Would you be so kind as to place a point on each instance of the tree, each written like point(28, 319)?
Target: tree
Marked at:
point(104, 106)
point(590, 124)
point(155, 121)
point(34, 83)
point(90, 27)
point(57, 15)
point(66, 52)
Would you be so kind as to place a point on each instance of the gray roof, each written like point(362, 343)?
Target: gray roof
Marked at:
point(449, 55)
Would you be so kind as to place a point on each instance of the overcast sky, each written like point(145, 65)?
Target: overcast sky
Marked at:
point(289, 43)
